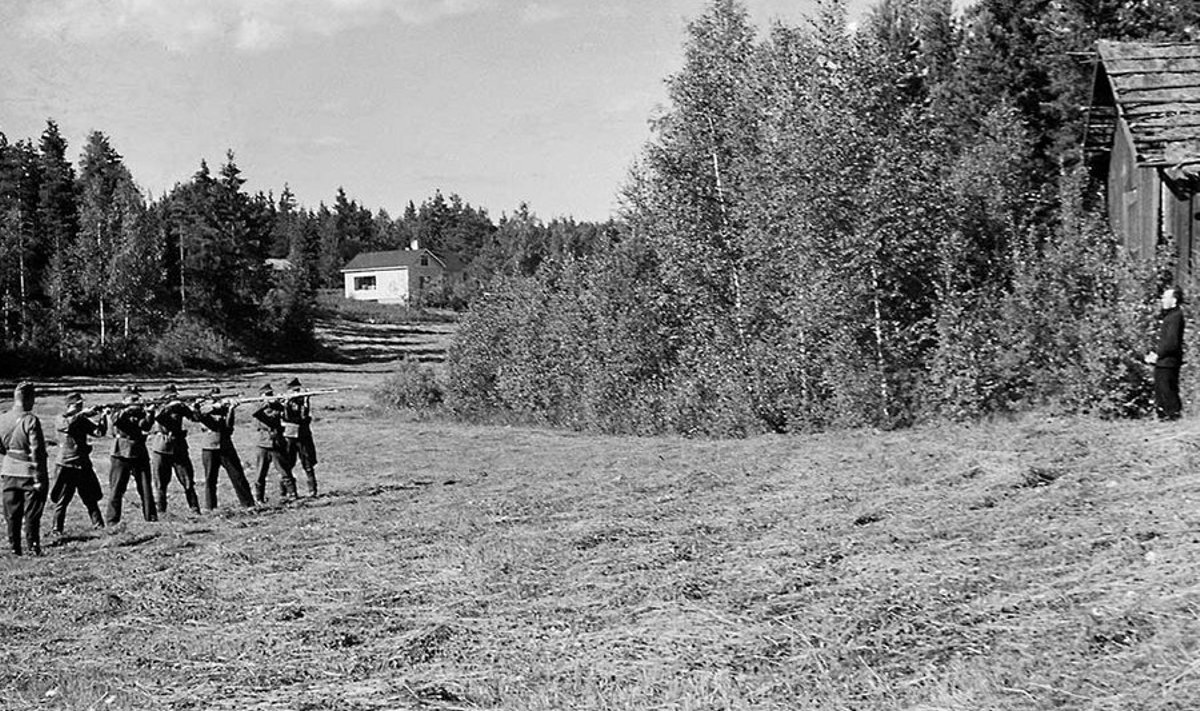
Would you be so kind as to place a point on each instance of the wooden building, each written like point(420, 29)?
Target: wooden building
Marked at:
point(399, 276)
point(1143, 139)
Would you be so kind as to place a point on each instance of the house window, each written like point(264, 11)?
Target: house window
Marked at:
point(421, 282)
point(424, 260)
point(364, 283)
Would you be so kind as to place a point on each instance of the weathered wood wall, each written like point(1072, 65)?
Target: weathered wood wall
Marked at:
point(1133, 197)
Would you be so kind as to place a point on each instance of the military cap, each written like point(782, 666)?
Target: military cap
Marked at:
point(294, 383)
point(265, 389)
point(73, 399)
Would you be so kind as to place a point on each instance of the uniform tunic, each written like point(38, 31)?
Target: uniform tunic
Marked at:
point(297, 432)
point(23, 476)
point(75, 470)
point(217, 451)
point(129, 459)
point(272, 447)
point(169, 451)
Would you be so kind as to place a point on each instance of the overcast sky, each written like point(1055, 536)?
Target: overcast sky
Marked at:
point(500, 101)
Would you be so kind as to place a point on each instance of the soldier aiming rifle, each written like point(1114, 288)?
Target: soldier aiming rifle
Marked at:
point(129, 422)
point(75, 471)
point(216, 419)
point(272, 448)
point(169, 448)
point(297, 433)
point(276, 426)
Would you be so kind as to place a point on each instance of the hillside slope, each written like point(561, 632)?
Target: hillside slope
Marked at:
point(1040, 564)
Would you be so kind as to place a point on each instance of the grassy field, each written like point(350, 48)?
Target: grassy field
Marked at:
point(1041, 563)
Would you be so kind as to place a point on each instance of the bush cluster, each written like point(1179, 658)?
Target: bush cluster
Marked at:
point(411, 386)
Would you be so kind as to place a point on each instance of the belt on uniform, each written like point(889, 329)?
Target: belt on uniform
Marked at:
point(11, 466)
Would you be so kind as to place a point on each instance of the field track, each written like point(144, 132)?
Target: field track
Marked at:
point(1035, 564)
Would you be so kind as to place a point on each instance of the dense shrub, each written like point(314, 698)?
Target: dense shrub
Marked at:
point(411, 386)
point(189, 343)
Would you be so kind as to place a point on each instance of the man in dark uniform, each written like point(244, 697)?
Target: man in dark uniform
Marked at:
point(23, 475)
point(1167, 356)
point(169, 449)
point(128, 425)
point(297, 432)
point(216, 449)
point(75, 471)
point(272, 447)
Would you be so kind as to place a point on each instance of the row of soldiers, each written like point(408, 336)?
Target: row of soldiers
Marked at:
point(149, 444)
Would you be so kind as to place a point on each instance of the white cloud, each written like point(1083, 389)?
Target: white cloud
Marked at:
point(249, 25)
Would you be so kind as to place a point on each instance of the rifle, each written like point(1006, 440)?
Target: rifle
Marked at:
point(147, 404)
point(283, 396)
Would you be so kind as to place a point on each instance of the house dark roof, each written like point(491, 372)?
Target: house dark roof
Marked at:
point(1155, 87)
point(397, 258)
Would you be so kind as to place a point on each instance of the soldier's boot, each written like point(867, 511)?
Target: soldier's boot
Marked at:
point(60, 519)
point(33, 537)
point(192, 501)
point(97, 518)
point(312, 483)
point(260, 492)
point(289, 488)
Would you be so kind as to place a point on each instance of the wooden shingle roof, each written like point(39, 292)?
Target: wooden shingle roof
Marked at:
point(1155, 88)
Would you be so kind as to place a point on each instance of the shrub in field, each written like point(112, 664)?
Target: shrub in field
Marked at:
point(332, 304)
point(189, 343)
point(411, 387)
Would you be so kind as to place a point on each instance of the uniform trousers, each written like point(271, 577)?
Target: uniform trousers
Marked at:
point(23, 504)
point(161, 464)
point(278, 456)
point(302, 450)
point(76, 477)
point(121, 469)
point(211, 460)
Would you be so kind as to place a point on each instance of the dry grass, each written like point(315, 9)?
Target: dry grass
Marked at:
point(1022, 565)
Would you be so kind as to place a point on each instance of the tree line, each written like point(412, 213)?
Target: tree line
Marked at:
point(97, 275)
point(837, 226)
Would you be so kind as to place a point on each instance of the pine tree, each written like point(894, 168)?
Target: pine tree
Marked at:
point(58, 222)
point(110, 205)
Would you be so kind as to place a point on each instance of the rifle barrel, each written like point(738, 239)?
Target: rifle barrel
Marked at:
point(284, 396)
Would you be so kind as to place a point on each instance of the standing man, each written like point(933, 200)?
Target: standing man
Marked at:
point(1168, 356)
point(129, 425)
point(272, 447)
point(75, 471)
point(169, 449)
point(23, 470)
point(297, 431)
point(216, 449)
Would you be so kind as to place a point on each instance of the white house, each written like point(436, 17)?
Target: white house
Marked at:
point(398, 276)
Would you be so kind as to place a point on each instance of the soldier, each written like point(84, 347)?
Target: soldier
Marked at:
point(169, 449)
point(75, 471)
point(297, 432)
point(23, 470)
point(272, 447)
point(128, 425)
point(216, 449)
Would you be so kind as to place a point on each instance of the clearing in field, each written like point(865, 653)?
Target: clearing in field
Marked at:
point(1035, 564)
